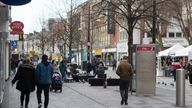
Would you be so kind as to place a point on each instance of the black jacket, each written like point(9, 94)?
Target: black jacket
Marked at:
point(25, 77)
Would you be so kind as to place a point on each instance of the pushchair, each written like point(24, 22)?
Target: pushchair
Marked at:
point(56, 82)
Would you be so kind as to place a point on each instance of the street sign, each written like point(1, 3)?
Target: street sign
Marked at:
point(13, 44)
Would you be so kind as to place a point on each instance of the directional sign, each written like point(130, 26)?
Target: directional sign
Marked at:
point(13, 44)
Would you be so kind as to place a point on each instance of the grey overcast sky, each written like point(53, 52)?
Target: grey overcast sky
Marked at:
point(32, 13)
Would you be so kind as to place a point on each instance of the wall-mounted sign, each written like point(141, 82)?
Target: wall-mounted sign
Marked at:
point(16, 27)
point(145, 48)
point(13, 44)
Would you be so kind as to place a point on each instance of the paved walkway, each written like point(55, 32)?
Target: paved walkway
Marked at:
point(82, 95)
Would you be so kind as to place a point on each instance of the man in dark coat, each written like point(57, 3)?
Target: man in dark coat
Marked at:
point(44, 72)
point(26, 80)
point(124, 71)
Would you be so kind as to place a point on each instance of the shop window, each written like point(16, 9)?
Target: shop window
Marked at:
point(171, 35)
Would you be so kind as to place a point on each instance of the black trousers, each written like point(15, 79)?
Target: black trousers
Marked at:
point(124, 85)
point(190, 78)
point(174, 74)
point(26, 96)
point(45, 88)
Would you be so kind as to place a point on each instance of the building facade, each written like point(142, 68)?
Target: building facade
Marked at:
point(4, 47)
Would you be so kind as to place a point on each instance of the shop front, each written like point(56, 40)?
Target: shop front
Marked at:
point(108, 55)
point(122, 50)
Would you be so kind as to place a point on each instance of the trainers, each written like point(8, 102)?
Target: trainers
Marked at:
point(40, 105)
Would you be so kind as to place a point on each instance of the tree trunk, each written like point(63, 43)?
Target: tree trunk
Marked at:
point(64, 51)
point(70, 54)
point(130, 47)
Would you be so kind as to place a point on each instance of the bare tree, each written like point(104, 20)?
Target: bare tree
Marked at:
point(183, 13)
point(163, 15)
point(70, 20)
point(42, 36)
point(127, 14)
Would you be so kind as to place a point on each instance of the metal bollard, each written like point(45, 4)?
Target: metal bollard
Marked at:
point(180, 87)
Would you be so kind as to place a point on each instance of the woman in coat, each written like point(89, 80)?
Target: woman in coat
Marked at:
point(63, 69)
point(100, 71)
point(26, 80)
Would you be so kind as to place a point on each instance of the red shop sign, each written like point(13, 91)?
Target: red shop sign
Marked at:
point(145, 48)
point(16, 25)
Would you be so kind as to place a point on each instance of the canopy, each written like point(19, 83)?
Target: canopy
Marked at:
point(15, 2)
point(184, 52)
point(171, 51)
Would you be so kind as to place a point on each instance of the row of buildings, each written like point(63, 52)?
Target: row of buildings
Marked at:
point(107, 40)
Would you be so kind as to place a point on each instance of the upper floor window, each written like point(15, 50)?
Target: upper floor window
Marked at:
point(175, 35)
point(171, 35)
point(123, 35)
point(178, 34)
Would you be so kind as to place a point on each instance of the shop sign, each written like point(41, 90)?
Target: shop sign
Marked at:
point(16, 27)
point(145, 48)
point(168, 42)
point(15, 2)
point(98, 52)
point(122, 47)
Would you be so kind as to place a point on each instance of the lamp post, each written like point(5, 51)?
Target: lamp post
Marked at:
point(154, 22)
point(88, 35)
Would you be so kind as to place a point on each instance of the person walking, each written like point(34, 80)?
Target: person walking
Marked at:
point(189, 69)
point(100, 71)
point(44, 73)
point(114, 63)
point(174, 67)
point(63, 69)
point(26, 80)
point(89, 67)
point(124, 71)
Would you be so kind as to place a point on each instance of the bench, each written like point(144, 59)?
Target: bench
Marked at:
point(100, 81)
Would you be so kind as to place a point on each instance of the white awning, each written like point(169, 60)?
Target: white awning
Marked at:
point(171, 51)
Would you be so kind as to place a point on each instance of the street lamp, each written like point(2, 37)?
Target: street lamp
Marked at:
point(88, 35)
point(154, 22)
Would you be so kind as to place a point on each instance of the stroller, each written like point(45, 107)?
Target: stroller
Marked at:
point(56, 82)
